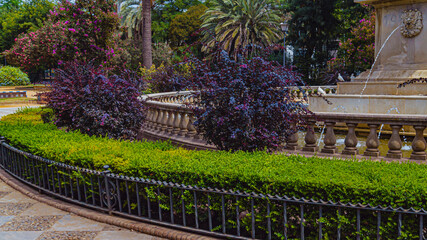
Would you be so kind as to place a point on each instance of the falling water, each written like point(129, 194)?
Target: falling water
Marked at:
point(376, 58)
point(382, 125)
point(321, 135)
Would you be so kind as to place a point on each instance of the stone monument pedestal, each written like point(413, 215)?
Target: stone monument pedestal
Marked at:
point(403, 57)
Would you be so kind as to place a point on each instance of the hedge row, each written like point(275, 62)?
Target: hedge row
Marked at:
point(396, 184)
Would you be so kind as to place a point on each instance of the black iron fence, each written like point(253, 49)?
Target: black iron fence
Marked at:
point(215, 212)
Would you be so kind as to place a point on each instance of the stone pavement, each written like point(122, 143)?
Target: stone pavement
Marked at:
point(6, 111)
point(23, 218)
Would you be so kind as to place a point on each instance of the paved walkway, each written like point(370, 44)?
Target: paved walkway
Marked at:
point(23, 218)
point(8, 110)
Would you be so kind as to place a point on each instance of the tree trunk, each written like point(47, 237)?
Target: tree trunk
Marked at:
point(147, 60)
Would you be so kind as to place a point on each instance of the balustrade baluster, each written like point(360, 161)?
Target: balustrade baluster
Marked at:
point(176, 121)
point(292, 141)
point(149, 118)
point(419, 144)
point(372, 142)
point(310, 138)
point(329, 139)
point(154, 118)
point(159, 120)
point(164, 121)
point(395, 143)
point(350, 140)
point(170, 120)
point(183, 123)
point(190, 127)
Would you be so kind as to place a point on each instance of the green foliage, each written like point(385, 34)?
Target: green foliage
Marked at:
point(21, 19)
point(349, 13)
point(162, 14)
point(183, 27)
point(162, 54)
point(397, 184)
point(131, 15)
point(8, 5)
point(12, 76)
point(356, 52)
point(236, 24)
point(313, 29)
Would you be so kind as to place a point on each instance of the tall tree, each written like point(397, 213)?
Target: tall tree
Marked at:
point(183, 27)
point(17, 18)
point(147, 55)
point(163, 12)
point(131, 16)
point(238, 23)
point(315, 27)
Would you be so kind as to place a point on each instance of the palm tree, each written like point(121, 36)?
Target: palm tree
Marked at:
point(131, 15)
point(147, 57)
point(238, 23)
point(136, 16)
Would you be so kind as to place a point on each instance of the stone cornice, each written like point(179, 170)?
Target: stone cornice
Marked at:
point(384, 3)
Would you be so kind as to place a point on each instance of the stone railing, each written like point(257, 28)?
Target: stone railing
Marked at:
point(169, 117)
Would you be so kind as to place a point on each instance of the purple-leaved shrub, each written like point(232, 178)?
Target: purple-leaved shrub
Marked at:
point(168, 79)
point(245, 105)
point(85, 99)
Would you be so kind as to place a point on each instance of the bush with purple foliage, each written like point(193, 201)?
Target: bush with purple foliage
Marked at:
point(84, 98)
point(168, 79)
point(246, 105)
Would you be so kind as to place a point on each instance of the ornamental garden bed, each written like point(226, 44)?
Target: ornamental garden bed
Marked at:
point(345, 181)
point(376, 183)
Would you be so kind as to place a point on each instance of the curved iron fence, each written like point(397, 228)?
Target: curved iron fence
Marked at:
point(214, 212)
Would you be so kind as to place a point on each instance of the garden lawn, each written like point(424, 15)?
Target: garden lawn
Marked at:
point(396, 184)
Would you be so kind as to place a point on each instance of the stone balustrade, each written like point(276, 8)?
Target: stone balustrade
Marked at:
point(169, 117)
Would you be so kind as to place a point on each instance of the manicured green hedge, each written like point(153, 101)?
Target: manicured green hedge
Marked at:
point(397, 184)
point(12, 76)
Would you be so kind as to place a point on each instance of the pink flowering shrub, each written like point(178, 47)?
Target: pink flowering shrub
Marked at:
point(83, 30)
point(37, 50)
point(356, 53)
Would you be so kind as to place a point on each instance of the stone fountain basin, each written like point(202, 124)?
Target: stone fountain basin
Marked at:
point(370, 104)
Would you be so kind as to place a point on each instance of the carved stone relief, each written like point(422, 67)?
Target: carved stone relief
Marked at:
point(412, 23)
